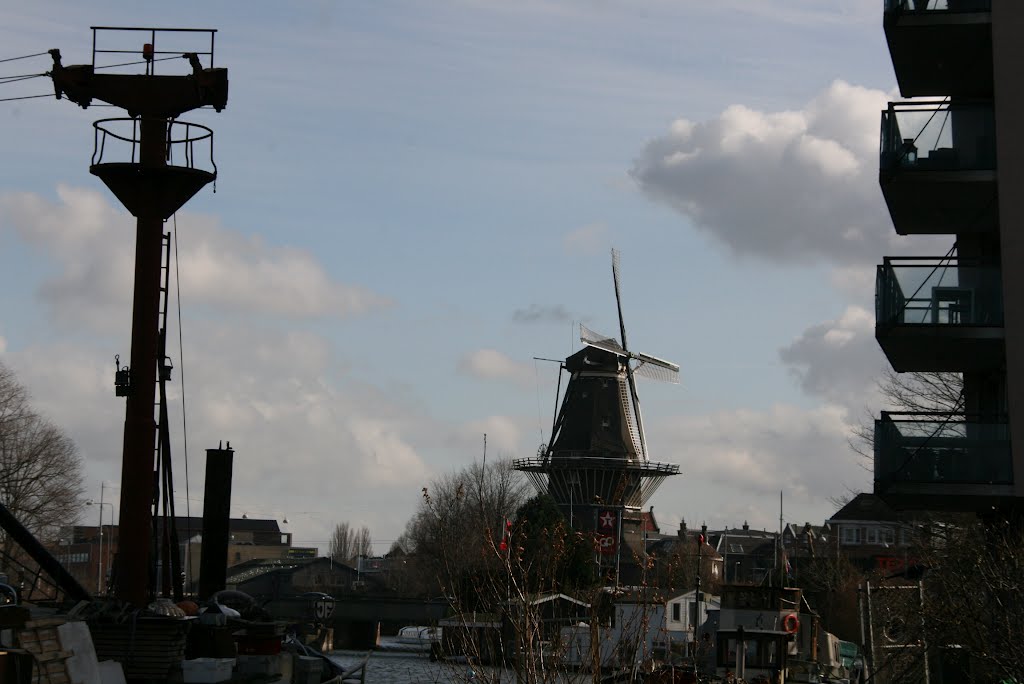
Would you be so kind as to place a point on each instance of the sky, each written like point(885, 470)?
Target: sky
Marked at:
point(414, 199)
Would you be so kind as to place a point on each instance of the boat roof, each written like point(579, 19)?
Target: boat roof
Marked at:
point(771, 632)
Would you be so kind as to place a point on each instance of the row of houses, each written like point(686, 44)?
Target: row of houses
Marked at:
point(866, 531)
point(257, 549)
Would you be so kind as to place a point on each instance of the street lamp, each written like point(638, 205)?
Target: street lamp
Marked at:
point(101, 504)
point(64, 555)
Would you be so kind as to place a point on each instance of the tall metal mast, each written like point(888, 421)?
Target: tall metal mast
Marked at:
point(152, 185)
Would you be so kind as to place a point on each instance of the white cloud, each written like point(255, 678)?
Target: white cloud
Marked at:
point(751, 456)
point(791, 186)
point(74, 387)
point(838, 360)
point(301, 440)
point(504, 435)
point(93, 244)
point(491, 364)
point(227, 270)
point(589, 239)
point(856, 282)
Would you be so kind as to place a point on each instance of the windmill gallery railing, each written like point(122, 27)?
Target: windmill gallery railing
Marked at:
point(578, 476)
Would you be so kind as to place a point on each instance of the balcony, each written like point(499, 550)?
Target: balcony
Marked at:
point(939, 461)
point(937, 167)
point(940, 47)
point(939, 314)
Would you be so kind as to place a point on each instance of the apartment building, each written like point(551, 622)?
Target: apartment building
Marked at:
point(952, 165)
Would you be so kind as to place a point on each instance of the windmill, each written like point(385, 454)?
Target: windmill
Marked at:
point(597, 460)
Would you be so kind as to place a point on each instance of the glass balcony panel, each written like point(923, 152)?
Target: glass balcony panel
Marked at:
point(931, 448)
point(938, 136)
point(938, 291)
point(938, 5)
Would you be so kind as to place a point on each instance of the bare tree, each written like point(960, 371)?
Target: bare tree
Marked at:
point(965, 618)
point(457, 513)
point(348, 543)
point(40, 469)
point(523, 590)
point(361, 543)
point(917, 392)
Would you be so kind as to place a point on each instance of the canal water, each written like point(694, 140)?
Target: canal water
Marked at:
point(387, 667)
point(392, 667)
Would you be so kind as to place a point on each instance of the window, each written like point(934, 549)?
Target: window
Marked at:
point(762, 651)
point(888, 536)
point(872, 535)
point(850, 534)
point(676, 612)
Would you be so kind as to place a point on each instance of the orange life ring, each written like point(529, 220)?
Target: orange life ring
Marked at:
point(791, 623)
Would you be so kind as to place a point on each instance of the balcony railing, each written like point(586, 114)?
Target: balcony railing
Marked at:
point(938, 5)
point(938, 291)
point(938, 136)
point(941, 449)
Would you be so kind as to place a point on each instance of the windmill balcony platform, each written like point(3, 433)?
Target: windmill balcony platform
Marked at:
point(941, 461)
point(939, 314)
point(937, 167)
point(585, 477)
point(940, 47)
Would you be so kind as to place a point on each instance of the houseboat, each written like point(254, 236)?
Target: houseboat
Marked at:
point(771, 634)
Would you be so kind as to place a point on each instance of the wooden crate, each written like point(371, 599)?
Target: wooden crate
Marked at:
point(41, 638)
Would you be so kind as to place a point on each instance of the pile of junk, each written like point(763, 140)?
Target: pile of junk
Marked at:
point(52, 631)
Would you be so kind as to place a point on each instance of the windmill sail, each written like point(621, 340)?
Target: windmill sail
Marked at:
point(646, 365)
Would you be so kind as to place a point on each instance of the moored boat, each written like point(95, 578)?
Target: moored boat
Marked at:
point(419, 635)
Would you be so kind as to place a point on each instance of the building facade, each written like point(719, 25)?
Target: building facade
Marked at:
point(90, 556)
point(872, 536)
point(949, 166)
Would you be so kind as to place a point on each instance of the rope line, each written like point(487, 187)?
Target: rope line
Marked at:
point(144, 61)
point(12, 59)
point(25, 77)
point(181, 374)
point(26, 97)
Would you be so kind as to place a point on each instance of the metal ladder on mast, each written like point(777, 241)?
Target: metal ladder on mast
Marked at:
point(165, 539)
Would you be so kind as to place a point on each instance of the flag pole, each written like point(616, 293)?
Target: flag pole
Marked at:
point(782, 552)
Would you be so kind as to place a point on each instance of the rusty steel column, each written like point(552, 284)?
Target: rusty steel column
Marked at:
point(138, 480)
point(213, 562)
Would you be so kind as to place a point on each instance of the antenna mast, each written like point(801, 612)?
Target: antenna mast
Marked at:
point(134, 157)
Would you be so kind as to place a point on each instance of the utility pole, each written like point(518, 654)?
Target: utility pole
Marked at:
point(152, 189)
point(701, 539)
